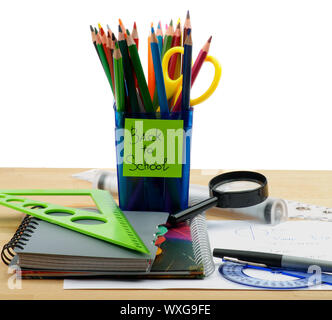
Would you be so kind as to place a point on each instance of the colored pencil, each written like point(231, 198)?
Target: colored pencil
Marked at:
point(143, 87)
point(186, 81)
point(136, 39)
point(110, 48)
point(119, 79)
point(168, 39)
point(151, 75)
point(160, 38)
point(101, 30)
point(122, 27)
point(174, 59)
point(109, 57)
point(109, 31)
point(195, 70)
point(186, 27)
point(166, 46)
point(134, 34)
point(104, 61)
point(128, 72)
point(93, 36)
point(160, 84)
point(107, 50)
point(178, 67)
point(200, 60)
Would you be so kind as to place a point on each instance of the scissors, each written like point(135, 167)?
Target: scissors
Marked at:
point(174, 87)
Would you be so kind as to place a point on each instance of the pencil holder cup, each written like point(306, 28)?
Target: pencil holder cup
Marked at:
point(153, 160)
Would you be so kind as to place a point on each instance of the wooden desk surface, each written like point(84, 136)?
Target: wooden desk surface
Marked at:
point(313, 187)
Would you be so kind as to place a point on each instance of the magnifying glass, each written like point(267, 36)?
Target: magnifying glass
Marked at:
point(237, 189)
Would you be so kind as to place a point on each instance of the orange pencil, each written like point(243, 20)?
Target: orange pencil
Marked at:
point(123, 28)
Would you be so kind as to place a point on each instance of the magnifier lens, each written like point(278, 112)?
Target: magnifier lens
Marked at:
point(237, 186)
point(236, 189)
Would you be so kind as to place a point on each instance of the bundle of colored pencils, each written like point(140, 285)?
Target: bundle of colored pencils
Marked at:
point(121, 62)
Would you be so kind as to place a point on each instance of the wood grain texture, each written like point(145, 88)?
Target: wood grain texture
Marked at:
point(313, 187)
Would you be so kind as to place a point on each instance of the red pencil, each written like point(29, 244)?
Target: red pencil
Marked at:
point(134, 34)
point(104, 40)
point(101, 29)
point(176, 41)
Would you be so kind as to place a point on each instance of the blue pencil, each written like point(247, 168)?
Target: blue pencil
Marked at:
point(186, 81)
point(160, 38)
point(160, 84)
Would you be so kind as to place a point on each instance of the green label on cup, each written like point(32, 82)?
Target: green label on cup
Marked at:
point(153, 148)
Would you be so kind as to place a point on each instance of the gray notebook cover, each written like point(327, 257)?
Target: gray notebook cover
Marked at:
point(52, 239)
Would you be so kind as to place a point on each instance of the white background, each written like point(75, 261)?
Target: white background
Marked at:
point(272, 109)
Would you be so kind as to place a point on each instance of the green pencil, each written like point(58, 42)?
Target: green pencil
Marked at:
point(118, 79)
point(146, 99)
point(104, 61)
point(128, 73)
point(168, 39)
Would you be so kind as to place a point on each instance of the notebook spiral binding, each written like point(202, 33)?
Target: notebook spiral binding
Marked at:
point(201, 244)
point(19, 239)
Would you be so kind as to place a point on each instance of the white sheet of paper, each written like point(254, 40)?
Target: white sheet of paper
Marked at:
point(298, 238)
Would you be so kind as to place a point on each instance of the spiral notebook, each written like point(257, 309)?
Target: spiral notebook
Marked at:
point(41, 245)
point(185, 252)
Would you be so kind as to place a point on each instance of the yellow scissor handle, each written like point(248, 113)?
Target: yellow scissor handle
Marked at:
point(174, 86)
point(214, 83)
point(171, 85)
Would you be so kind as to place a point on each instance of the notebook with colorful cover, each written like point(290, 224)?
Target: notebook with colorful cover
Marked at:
point(184, 253)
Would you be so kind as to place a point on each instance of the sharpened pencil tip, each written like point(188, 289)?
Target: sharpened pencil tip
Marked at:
point(113, 36)
point(171, 23)
point(120, 29)
point(188, 15)
point(209, 41)
point(152, 29)
point(126, 34)
point(99, 26)
point(91, 28)
point(135, 27)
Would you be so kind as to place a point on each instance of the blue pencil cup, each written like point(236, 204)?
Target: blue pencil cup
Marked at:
point(144, 193)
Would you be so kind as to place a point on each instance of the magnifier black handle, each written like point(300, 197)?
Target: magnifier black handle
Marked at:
point(192, 211)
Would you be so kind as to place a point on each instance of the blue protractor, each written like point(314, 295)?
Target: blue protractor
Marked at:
point(235, 272)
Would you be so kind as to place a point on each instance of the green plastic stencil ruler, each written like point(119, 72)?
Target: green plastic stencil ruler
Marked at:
point(109, 225)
